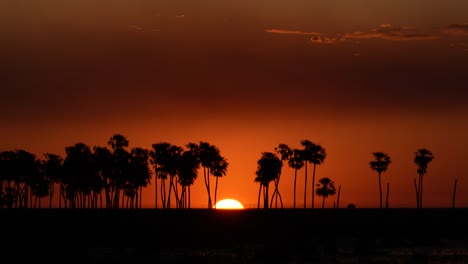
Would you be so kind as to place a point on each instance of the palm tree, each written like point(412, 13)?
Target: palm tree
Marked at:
point(171, 167)
point(119, 144)
point(306, 157)
point(380, 165)
point(104, 165)
point(188, 172)
point(285, 152)
point(208, 155)
point(140, 175)
point(268, 169)
point(159, 157)
point(325, 187)
point(219, 169)
point(53, 169)
point(315, 154)
point(422, 159)
point(296, 162)
point(77, 167)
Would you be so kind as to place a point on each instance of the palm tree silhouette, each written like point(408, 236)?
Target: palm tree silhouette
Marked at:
point(78, 166)
point(119, 144)
point(209, 156)
point(171, 168)
point(325, 187)
point(188, 172)
point(285, 152)
point(315, 154)
point(219, 169)
point(422, 159)
point(159, 155)
point(380, 165)
point(104, 166)
point(140, 175)
point(306, 157)
point(52, 167)
point(268, 169)
point(296, 162)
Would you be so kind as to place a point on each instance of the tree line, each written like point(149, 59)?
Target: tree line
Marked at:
point(111, 176)
point(114, 176)
point(270, 164)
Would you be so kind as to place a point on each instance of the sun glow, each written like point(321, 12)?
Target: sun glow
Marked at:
point(228, 204)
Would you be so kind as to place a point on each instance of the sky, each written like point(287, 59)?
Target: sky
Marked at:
point(355, 76)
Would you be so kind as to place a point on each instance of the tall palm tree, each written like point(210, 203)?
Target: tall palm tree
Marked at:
point(140, 175)
point(306, 157)
point(219, 169)
point(380, 165)
point(285, 152)
point(315, 154)
point(325, 188)
point(208, 155)
point(188, 172)
point(119, 144)
point(422, 159)
point(104, 165)
point(159, 158)
point(78, 166)
point(53, 169)
point(296, 162)
point(268, 169)
point(171, 167)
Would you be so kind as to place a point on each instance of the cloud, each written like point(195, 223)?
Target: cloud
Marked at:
point(293, 32)
point(456, 29)
point(180, 16)
point(325, 39)
point(390, 32)
point(384, 31)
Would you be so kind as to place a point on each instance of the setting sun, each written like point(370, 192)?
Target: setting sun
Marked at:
point(229, 204)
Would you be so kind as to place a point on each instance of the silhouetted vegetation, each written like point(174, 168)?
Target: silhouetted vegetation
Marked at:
point(325, 188)
point(422, 159)
point(380, 165)
point(115, 175)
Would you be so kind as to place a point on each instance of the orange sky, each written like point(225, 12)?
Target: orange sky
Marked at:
point(354, 76)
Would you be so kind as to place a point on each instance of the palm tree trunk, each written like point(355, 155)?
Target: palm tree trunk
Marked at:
point(380, 190)
point(417, 193)
point(313, 186)
point(305, 186)
point(216, 190)
point(259, 194)
point(295, 177)
point(155, 188)
point(163, 193)
point(189, 197)
point(274, 196)
point(323, 202)
point(421, 192)
point(338, 197)
point(265, 204)
point(386, 198)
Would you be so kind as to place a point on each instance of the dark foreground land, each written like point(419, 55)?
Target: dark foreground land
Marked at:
point(234, 236)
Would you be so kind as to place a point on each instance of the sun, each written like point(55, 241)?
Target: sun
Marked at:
point(228, 204)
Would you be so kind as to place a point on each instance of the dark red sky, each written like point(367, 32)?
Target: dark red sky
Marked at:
point(354, 76)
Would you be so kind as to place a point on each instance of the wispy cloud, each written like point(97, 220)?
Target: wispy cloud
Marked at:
point(390, 32)
point(292, 32)
point(456, 29)
point(384, 31)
